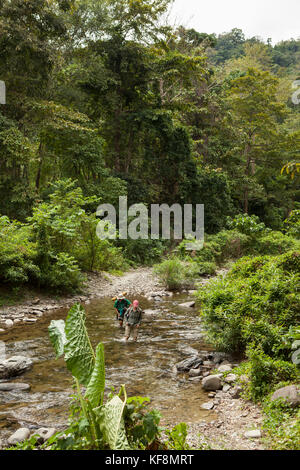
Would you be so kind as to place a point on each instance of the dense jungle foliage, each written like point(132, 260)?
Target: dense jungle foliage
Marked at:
point(106, 99)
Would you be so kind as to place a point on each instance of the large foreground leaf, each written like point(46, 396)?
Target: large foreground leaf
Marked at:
point(79, 354)
point(110, 417)
point(95, 390)
point(57, 336)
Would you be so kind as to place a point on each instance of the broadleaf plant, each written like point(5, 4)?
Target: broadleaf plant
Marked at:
point(106, 422)
point(100, 425)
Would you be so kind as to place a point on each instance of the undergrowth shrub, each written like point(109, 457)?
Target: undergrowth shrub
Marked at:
point(256, 302)
point(17, 253)
point(176, 274)
point(281, 425)
point(266, 372)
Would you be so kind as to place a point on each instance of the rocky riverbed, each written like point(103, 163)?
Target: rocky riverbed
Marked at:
point(184, 390)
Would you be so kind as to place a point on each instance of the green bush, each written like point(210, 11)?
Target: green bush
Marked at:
point(266, 372)
point(176, 274)
point(246, 224)
point(256, 302)
point(142, 252)
point(64, 225)
point(281, 426)
point(292, 224)
point(233, 244)
point(207, 268)
point(273, 243)
point(63, 275)
point(17, 253)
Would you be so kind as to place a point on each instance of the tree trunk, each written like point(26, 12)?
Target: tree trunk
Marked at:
point(39, 172)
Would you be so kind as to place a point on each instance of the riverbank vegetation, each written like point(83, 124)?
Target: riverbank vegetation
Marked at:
point(254, 311)
point(105, 99)
point(251, 310)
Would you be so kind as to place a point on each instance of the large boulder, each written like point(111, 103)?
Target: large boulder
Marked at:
point(291, 394)
point(212, 383)
point(14, 366)
point(190, 363)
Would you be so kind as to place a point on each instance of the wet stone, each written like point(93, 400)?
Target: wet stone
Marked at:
point(188, 305)
point(12, 387)
point(190, 363)
point(14, 366)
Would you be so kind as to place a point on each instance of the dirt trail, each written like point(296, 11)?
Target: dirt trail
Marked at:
point(138, 281)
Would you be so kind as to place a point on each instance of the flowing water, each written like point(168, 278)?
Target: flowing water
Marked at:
point(169, 334)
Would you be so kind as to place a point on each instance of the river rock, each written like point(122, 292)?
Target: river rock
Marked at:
point(236, 392)
point(291, 394)
point(9, 323)
point(209, 364)
point(253, 434)
point(225, 368)
point(195, 380)
point(44, 434)
point(149, 311)
point(212, 383)
point(19, 436)
point(190, 363)
point(226, 388)
point(195, 372)
point(13, 387)
point(13, 366)
point(208, 406)
point(230, 378)
point(219, 357)
point(188, 305)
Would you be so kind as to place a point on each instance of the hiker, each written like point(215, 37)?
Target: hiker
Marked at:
point(121, 305)
point(133, 318)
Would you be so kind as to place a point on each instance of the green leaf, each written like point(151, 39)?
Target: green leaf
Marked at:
point(110, 418)
point(57, 336)
point(79, 354)
point(95, 389)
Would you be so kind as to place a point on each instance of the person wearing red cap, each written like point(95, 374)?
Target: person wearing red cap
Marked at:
point(133, 318)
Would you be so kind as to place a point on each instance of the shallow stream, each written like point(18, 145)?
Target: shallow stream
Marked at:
point(169, 334)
